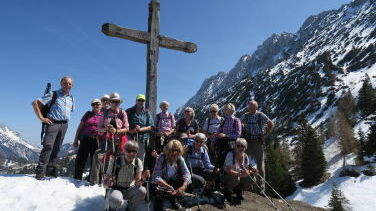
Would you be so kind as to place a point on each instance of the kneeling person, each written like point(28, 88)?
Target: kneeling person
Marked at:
point(237, 176)
point(126, 182)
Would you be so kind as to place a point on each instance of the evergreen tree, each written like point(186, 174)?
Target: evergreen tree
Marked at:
point(371, 141)
point(338, 201)
point(277, 174)
point(313, 160)
point(362, 146)
point(367, 98)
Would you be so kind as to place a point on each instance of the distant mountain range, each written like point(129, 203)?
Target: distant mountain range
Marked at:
point(300, 74)
point(14, 147)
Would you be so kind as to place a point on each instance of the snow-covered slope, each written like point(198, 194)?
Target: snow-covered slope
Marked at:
point(25, 193)
point(360, 191)
point(14, 147)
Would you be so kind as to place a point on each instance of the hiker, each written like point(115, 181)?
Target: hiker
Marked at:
point(237, 175)
point(164, 126)
point(210, 128)
point(228, 132)
point(197, 158)
point(257, 126)
point(126, 182)
point(187, 127)
point(105, 102)
point(140, 125)
point(61, 103)
point(86, 137)
point(171, 172)
point(112, 131)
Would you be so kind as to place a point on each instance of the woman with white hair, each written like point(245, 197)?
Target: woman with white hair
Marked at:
point(211, 127)
point(187, 126)
point(237, 171)
point(228, 132)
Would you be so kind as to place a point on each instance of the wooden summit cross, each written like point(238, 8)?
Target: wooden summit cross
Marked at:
point(153, 40)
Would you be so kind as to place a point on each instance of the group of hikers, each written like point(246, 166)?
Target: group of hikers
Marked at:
point(129, 148)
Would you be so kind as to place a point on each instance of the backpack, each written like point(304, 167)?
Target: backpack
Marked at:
point(159, 118)
point(233, 158)
point(87, 116)
point(132, 110)
point(118, 166)
point(221, 119)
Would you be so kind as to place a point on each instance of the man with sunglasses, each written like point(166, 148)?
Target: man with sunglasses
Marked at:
point(140, 125)
point(126, 183)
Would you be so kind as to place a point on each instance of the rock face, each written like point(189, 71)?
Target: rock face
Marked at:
point(301, 74)
point(257, 203)
point(14, 147)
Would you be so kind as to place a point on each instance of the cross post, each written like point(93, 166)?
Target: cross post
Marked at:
point(153, 40)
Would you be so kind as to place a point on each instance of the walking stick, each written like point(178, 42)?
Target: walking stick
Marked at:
point(288, 205)
point(262, 192)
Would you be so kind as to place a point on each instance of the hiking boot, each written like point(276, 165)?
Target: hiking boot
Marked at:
point(228, 197)
point(39, 176)
point(175, 204)
point(52, 172)
point(239, 195)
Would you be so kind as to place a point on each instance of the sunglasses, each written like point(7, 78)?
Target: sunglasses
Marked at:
point(187, 111)
point(141, 100)
point(213, 111)
point(240, 146)
point(199, 141)
point(131, 150)
point(115, 101)
point(95, 104)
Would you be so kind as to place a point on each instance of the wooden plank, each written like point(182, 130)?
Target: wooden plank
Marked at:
point(144, 37)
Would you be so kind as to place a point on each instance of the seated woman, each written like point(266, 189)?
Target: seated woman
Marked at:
point(171, 173)
point(87, 135)
point(237, 175)
point(126, 182)
point(187, 127)
point(197, 158)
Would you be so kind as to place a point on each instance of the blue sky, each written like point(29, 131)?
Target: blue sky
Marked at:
point(42, 41)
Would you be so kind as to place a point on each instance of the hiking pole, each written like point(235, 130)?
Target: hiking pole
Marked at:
point(262, 192)
point(288, 205)
point(148, 202)
point(196, 195)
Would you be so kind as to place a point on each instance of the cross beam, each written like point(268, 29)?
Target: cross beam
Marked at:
point(153, 40)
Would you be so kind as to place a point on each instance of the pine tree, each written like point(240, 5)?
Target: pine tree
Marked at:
point(313, 160)
point(367, 98)
point(277, 174)
point(362, 146)
point(371, 141)
point(338, 201)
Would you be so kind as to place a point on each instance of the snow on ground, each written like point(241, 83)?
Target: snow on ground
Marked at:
point(360, 191)
point(24, 192)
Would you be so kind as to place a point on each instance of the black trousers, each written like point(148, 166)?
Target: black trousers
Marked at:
point(87, 147)
point(223, 146)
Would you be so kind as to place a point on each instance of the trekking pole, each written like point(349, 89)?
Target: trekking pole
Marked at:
point(262, 191)
point(288, 205)
point(148, 202)
point(196, 195)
